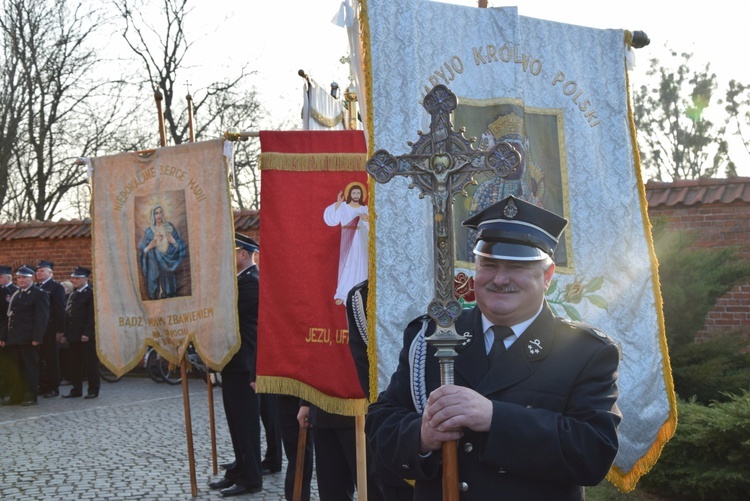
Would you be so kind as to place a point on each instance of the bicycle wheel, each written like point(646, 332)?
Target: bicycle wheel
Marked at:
point(170, 373)
point(107, 374)
point(153, 366)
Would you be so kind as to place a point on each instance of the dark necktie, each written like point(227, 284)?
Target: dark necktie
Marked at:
point(498, 345)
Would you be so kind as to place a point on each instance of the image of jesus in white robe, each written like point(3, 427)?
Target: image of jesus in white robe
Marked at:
point(354, 221)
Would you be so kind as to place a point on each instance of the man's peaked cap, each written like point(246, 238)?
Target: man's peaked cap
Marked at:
point(516, 230)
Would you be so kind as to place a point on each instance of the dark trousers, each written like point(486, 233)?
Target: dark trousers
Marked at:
point(84, 362)
point(63, 355)
point(242, 409)
point(335, 463)
point(25, 376)
point(49, 366)
point(6, 372)
point(269, 415)
point(288, 408)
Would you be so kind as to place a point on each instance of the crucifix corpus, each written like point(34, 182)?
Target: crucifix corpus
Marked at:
point(441, 164)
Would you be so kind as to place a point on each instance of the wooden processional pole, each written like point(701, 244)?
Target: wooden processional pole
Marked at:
point(209, 382)
point(299, 472)
point(183, 363)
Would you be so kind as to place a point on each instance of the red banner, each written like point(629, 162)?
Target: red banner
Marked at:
point(313, 250)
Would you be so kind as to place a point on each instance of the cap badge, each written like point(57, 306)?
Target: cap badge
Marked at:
point(510, 211)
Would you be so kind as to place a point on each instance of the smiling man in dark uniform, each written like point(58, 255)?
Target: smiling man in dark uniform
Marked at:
point(28, 313)
point(241, 404)
point(534, 401)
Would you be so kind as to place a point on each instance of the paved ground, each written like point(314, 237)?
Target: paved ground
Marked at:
point(130, 443)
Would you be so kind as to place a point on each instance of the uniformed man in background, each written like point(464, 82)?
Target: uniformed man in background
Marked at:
point(80, 332)
point(49, 367)
point(28, 314)
point(6, 291)
point(241, 404)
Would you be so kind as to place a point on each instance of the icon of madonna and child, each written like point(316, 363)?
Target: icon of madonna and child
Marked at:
point(162, 251)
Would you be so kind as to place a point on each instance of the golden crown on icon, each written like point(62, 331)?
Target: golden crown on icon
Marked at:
point(507, 124)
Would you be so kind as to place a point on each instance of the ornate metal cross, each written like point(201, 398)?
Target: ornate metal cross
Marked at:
point(441, 164)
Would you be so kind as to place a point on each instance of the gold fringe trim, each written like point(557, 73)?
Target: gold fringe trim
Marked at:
point(301, 162)
point(626, 481)
point(289, 386)
point(372, 345)
point(367, 58)
point(324, 120)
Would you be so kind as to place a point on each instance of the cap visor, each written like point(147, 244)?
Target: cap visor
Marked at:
point(508, 251)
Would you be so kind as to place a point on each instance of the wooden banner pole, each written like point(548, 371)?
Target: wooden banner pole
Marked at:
point(299, 471)
point(211, 416)
point(183, 362)
point(359, 422)
point(162, 131)
point(188, 426)
point(189, 99)
point(212, 421)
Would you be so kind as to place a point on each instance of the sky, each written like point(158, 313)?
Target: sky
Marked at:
point(278, 38)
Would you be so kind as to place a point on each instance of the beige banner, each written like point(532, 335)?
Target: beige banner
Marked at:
point(164, 270)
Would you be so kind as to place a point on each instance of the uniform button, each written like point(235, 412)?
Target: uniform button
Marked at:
point(405, 466)
point(463, 487)
point(468, 447)
point(529, 406)
point(501, 471)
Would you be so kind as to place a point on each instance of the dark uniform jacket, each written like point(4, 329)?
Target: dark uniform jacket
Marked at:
point(6, 291)
point(79, 316)
point(554, 422)
point(28, 316)
point(56, 306)
point(356, 319)
point(247, 308)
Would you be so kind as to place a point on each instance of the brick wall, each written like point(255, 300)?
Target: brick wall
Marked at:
point(65, 253)
point(716, 225)
point(719, 212)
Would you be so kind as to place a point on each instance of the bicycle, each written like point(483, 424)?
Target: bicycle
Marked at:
point(154, 364)
point(151, 361)
point(172, 374)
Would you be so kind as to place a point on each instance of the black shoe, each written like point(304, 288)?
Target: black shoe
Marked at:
point(238, 490)
point(91, 395)
point(51, 393)
point(221, 484)
point(269, 471)
point(29, 402)
point(227, 466)
point(73, 394)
